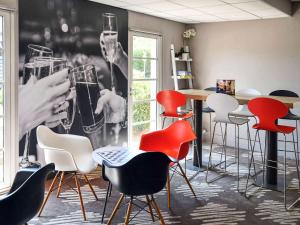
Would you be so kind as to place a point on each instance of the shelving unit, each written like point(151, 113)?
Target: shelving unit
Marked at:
point(176, 78)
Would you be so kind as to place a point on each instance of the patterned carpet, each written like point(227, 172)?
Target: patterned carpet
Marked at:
point(217, 203)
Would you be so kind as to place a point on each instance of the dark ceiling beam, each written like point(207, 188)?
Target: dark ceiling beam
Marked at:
point(282, 5)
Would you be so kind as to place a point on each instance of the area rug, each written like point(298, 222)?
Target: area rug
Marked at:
point(217, 203)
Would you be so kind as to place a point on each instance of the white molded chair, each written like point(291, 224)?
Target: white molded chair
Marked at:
point(223, 105)
point(243, 110)
point(69, 153)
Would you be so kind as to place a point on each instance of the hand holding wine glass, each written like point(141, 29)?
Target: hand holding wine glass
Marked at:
point(120, 59)
point(38, 98)
point(114, 106)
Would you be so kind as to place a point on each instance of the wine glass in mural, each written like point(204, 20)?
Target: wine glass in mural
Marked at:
point(87, 93)
point(58, 64)
point(110, 36)
point(32, 52)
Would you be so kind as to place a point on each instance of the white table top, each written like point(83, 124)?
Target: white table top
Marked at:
point(116, 155)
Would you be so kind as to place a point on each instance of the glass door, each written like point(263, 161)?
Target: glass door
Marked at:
point(144, 82)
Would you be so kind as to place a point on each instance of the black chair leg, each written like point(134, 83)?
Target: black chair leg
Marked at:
point(108, 193)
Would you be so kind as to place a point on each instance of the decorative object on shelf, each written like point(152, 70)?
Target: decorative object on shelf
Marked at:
point(189, 33)
point(183, 74)
point(179, 54)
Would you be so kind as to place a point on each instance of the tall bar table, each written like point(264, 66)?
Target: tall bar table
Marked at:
point(199, 95)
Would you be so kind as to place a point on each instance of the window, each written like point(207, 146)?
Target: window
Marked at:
point(144, 82)
point(7, 108)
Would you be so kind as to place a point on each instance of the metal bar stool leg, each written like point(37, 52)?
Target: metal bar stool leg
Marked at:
point(163, 122)
point(210, 153)
point(225, 149)
point(297, 162)
point(238, 160)
point(251, 160)
point(284, 179)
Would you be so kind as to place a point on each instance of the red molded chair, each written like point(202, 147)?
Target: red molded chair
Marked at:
point(268, 111)
point(171, 100)
point(174, 142)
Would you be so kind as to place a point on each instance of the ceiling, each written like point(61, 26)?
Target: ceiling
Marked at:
point(197, 11)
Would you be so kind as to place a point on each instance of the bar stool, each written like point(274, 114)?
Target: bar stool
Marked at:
point(224, 104)
point(243, 111)
point(290, 116)
point(268, 111)
point(171, 100)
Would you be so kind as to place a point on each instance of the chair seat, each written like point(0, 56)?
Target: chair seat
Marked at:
point(207, 110)
point(291, 116)
point(242, 113)
point(233, 120)
point(179, 115)
point(279, 128)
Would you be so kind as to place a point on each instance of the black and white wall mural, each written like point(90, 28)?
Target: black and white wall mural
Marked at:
point(73, 70)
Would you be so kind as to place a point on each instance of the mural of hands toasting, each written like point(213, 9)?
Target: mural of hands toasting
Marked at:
point(54, 89)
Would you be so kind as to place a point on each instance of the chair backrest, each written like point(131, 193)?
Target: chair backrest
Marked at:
point(22, 205)
point(170, 100)
point(145, 174)
point(222, 104)
point(248, 92)
point(172, 141)
point(211, 89)
point(284, 93)
point(267, 110)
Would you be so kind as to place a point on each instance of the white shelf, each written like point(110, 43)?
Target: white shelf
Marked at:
point(182, 78)
point(183, 60)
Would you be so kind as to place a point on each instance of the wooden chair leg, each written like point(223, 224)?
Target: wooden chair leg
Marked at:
point(80, 197)
point(91, 187)
point(150, 208)
point(161, 219)
point(186, 179)
point(128, 212)
point(115, 209)
point(48, 194)
point(169, 190)
point(60, 184)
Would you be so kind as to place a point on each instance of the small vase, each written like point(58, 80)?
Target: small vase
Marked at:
point(185, 56)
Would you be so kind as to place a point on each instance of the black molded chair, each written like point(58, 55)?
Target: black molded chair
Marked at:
point(25, 198)
point(142, 175)
point(287, 93)
point(290, 115)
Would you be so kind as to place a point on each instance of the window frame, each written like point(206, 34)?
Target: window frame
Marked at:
point(10, 113)
point(158, 79)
